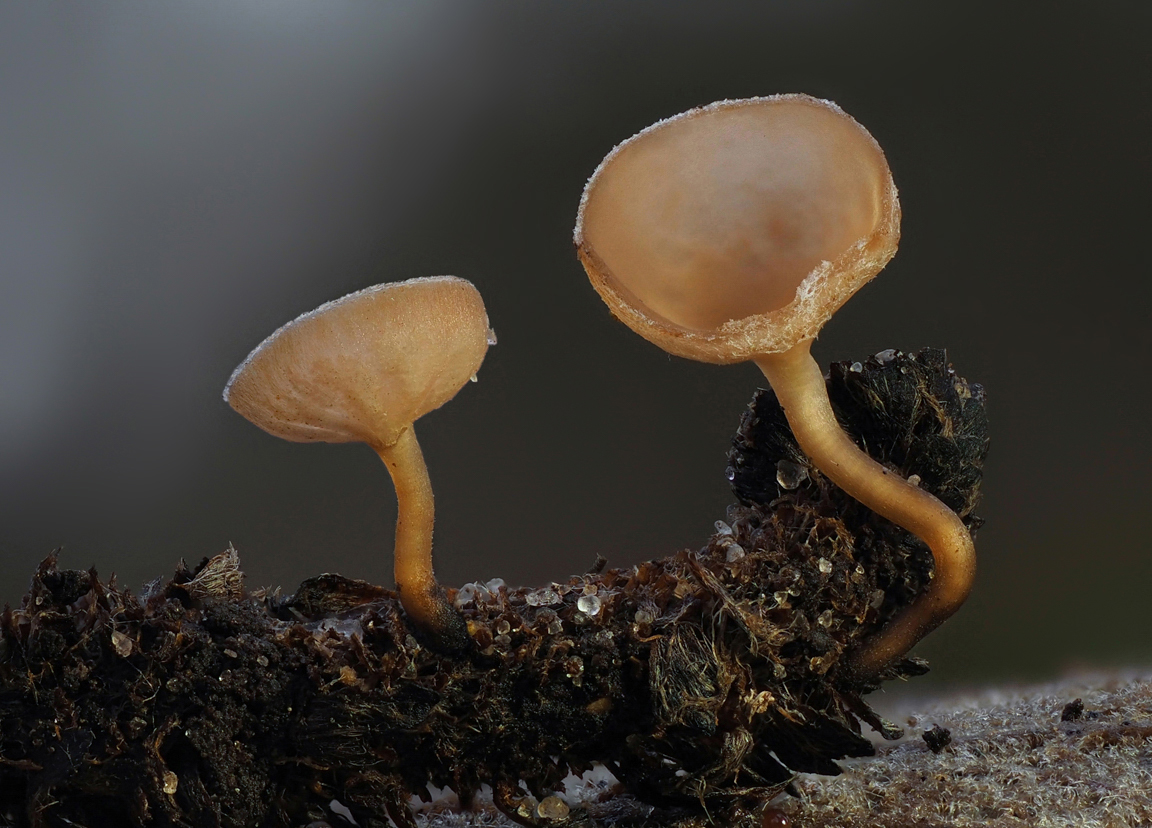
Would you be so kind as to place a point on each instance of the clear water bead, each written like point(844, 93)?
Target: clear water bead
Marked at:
point(779, 670)
point(825, 566)
point(491, 337)
point(503, 627)
point(588, 604)
point(465, 595)
point(781, 598)
point(723, 528)
point(552, 808)
point(542, 598)
point(790, 475)
point(825, 619)
point(644, 616)
point(735, 552)
point(886, 356)
point(495, 584)
point(856, 368)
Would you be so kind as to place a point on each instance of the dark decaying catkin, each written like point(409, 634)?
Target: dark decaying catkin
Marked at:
point(704, 681)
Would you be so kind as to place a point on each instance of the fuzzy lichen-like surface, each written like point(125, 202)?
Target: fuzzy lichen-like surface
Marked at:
point(705, 680)
point(1012, 762)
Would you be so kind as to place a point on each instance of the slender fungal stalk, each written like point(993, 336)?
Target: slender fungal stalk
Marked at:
point(421, 596)
point(799, 385)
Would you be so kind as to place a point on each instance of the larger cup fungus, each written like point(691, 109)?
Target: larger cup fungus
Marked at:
point(363, 369)
point(733, 232)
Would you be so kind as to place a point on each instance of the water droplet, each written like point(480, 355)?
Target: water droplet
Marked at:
point(723, 528)
point(502, 641)
point(588, 604)
point(555, 626)
point(825, 619)
point(781, 598)
point(735, 552)
point(856, 367)
point(495, 584)
point(590, 589)
point(730, 474)
point(644, 616)
point(552, 807)
point(825, 566)
point(886, 356)
point(602, 638)
point(914, 479)
point(491, 337)
point(877, 599)
point(465, 595)
point(503, 627)
point(474, 378)
point(790, 475)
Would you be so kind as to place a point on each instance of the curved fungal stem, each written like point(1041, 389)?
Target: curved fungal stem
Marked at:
point(421, 595)
point(800, 387)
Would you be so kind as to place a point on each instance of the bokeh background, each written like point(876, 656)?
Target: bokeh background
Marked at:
point(177, 180)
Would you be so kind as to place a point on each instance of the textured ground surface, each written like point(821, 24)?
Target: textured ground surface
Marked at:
point(1021, 758)
point(1013, 760)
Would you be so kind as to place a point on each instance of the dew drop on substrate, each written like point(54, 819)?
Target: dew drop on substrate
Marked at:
point(825, 565)
point(790, 475)
point(588, 604)
point(552, 808)
point(723, 528)
point(735, 553)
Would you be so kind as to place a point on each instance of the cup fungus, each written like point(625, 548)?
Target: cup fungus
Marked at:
point(733, 232)
point(363, 369)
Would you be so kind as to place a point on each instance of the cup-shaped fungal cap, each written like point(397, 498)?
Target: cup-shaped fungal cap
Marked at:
point(365, 367)
point(739, 228)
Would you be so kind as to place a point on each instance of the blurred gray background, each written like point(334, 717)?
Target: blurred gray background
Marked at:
point(177, 180)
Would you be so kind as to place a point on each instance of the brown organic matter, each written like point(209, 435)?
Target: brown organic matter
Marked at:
point(704, 681)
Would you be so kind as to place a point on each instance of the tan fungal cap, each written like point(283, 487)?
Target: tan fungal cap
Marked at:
point(739, 228)
point(365, 367)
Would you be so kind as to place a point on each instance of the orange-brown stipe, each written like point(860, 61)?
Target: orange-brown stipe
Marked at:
point(733, 233)
point(363, 369)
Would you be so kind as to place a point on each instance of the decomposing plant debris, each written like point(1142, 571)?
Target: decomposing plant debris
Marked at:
point(937, 738)
point(704, 681)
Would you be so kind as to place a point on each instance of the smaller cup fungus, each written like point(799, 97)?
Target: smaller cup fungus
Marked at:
point(363, 369)
point(733, 232)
